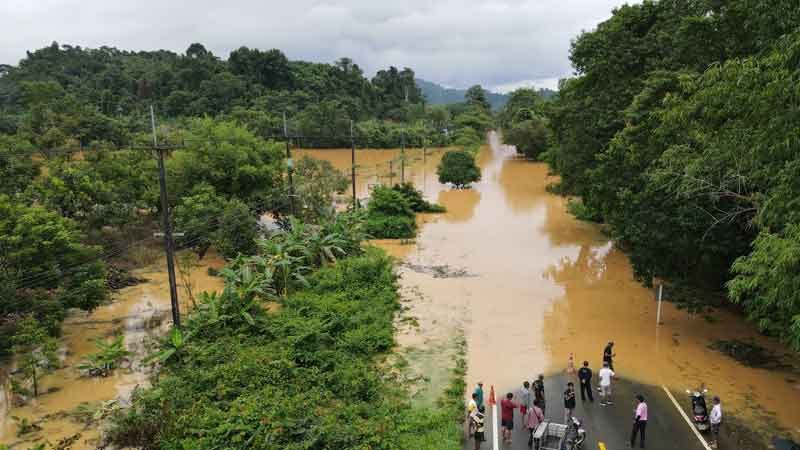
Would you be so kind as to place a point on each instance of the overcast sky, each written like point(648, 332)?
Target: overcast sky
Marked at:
point(500, 44)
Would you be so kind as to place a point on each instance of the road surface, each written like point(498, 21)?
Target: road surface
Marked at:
point(607, 425)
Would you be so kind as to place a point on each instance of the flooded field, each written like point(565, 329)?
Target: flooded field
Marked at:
point(140, 314)
point(528, 284)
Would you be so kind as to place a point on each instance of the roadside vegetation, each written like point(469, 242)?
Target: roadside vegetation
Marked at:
point(307, 374)
point(679, 133)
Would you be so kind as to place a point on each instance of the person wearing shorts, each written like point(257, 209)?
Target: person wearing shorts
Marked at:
point(479, 419)
point(605, 374)
point(507, 407)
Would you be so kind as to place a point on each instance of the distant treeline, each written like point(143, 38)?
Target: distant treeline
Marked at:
point(680, 132)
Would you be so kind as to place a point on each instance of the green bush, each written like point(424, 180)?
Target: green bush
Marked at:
point(415, 199)
point(389, 215)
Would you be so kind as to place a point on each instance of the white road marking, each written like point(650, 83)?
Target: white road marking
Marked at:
point(686, 418)
point(495, 432)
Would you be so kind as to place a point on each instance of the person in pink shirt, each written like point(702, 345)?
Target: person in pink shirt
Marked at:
point(639, 421)
point(535, 417)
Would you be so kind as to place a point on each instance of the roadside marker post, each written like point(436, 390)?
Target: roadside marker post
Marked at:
point(658, 314)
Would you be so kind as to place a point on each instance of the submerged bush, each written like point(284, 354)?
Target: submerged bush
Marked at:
point(389, 215)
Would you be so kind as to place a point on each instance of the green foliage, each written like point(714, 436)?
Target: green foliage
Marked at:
point(458, 168)
point(35, 350)
point(17, 168)
point(108, 357)
point(476, 97)
point(228, 157)
point(316, 182)
point(252, 384)
point(468, 139)
point(689, 152)
point(389, 215)
point(44, 266)
point(415, 200)
point(767, 284)
point(208, 219)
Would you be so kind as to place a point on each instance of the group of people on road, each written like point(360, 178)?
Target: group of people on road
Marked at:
point(530, 401)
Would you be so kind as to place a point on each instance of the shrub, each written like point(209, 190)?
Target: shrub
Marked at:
point(415, 200)
point(458, 168)
point(389, 215)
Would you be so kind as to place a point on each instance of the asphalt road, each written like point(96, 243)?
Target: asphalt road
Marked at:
point(606, 425)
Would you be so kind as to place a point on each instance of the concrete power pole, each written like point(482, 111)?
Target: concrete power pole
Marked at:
point(166, 225)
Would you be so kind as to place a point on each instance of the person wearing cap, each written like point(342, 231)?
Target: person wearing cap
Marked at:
point(608, 355)
point(479, 394)
point(639, 421)
point(716, 420)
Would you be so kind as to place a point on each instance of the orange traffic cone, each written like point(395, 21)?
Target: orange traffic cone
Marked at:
point(492, 401)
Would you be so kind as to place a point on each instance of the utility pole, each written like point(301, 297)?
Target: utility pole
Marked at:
point(391, 172)
point(403, 156)
point(353, 163)
point(167, 225)
point(289, 165)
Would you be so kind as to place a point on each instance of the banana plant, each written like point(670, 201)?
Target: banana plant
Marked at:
point(175, 343)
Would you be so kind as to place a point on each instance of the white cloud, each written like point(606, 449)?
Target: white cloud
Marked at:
point(455, 42)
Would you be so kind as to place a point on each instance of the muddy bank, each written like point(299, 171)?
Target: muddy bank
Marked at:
point(545, 285)
point(140, 313)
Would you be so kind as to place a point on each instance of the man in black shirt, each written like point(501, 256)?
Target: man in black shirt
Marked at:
point(608, 355)
point(538, 391)
point(569, 402)
point(585, 376)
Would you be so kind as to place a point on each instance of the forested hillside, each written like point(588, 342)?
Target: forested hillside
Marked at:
point(437, 94)
point(79, 187)
point(680, 132)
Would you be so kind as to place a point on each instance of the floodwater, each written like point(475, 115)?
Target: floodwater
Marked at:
point(528, 284)
point(140, 313)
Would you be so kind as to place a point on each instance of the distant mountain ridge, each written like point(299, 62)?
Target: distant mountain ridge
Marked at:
point(436, 94)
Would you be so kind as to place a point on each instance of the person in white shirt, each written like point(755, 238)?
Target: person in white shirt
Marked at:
point(605, 374)
point(716, 420)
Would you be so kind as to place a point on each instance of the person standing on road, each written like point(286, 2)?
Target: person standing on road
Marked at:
point(479, 418)
point(569, 402)
point(538, 391)
point(585, 377)
point(608, 355)
point(639, 421)
point(507, 407)
point(478, 392)
point(472, 408)
point(535, 417)
point(716, 420)
point(524, 399)
point(605, 374)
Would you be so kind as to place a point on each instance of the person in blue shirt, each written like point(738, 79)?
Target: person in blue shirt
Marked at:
point(479, 394)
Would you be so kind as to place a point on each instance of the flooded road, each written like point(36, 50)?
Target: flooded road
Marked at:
point(140, 314)
point(528, 284)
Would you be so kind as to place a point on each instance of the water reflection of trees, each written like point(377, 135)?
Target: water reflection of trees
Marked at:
point(588, 268)
point(460, 204)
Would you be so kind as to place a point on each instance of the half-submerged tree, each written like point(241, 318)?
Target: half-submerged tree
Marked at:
point(458, 168)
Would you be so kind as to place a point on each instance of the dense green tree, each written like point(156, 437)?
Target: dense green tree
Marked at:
point(228, 157)
point(316, 183)
point(528, 136)
point(476, 97)
point(207, 219)
point(458, 168)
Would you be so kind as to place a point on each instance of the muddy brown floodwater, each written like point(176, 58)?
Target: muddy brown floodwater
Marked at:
point(528, 284)
point(140, 313)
